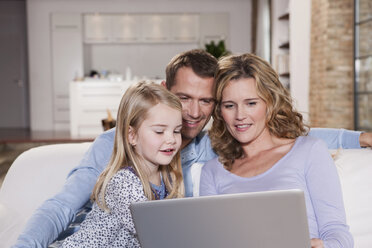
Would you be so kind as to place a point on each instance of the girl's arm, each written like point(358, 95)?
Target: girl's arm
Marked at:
point(123, 189)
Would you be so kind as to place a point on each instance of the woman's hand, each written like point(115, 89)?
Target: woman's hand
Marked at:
point(316, 243)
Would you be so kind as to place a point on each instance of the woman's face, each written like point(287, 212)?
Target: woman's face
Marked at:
point(243, 110)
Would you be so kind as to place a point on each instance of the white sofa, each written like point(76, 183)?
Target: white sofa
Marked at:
point(355, 171)
point(36, 175)
point(40, 172)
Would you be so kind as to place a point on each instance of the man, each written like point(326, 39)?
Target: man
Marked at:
point(189, 75)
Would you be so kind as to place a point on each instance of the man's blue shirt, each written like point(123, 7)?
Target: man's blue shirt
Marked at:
point(198, 151)
point(55, 214)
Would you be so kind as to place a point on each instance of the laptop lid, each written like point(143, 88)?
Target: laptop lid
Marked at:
point(258, 220)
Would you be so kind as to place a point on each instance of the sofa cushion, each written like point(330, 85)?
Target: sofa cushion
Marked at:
point(355, 171)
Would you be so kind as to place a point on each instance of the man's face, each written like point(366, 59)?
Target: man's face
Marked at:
point(196, 95)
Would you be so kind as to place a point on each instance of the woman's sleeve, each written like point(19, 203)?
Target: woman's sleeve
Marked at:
point(326, 196)
point(207, 179)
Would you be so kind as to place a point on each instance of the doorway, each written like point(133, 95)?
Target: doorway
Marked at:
point(14, 97)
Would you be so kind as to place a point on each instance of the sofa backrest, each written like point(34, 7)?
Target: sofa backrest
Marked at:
point(36, 175)
point(354, 167)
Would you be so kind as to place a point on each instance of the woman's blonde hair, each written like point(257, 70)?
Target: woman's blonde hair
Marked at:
point(282, 120)
point(133, 109)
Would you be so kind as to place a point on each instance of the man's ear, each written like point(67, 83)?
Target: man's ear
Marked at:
point(132, 136)
point(163, 84)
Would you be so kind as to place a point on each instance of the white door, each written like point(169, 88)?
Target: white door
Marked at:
point(67, 63)
point(13, 65)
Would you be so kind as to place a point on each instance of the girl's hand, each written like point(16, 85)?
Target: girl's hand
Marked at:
point(316, 243)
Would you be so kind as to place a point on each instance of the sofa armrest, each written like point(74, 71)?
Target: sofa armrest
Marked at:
point(35, 176)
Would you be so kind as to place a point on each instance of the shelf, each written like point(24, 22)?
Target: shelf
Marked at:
point(284, 45)
point(364, 21)
point(363, 57)
point(363, 92)
point(284, 17)
point(287, 75)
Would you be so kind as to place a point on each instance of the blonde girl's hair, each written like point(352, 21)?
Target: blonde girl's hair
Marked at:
point(282, 120)
point(133, 109)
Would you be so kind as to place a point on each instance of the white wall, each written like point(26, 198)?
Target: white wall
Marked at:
point(145, 60)
point(38, 17)
point(263, 39)
point(300, 23)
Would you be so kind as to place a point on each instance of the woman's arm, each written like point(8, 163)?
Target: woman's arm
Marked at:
point(325, 192)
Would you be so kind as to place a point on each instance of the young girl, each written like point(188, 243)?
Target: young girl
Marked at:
point(145, 165)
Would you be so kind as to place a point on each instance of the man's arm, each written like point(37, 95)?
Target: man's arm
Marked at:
point(56, 213)
point(342, 138)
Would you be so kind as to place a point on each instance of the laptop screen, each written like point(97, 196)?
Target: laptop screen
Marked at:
point(260, 219)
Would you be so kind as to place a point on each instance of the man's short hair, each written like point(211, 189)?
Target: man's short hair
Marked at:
point(201, 62)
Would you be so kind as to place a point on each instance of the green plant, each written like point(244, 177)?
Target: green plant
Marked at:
point(217, 50)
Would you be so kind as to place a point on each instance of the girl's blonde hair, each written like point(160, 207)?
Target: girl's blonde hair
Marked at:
point(282, 120)
point(133, 109)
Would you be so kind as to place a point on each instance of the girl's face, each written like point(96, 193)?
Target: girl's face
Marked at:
point(243, 111)
point(158, 138)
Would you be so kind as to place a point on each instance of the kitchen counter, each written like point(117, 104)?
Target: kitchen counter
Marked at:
point(90, 102)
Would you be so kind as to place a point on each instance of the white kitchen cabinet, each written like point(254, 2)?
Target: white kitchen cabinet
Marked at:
point(126, 28)
point(156, 28)
point(185, 28)
point(89, 102)
point(141, 28)
point(67, 63)
point(97, 28)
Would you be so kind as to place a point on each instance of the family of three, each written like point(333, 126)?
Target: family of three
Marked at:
point(257, 142)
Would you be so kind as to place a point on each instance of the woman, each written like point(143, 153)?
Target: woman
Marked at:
point(260, 140)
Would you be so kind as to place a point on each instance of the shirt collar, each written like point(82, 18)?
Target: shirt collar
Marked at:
point(190, 151)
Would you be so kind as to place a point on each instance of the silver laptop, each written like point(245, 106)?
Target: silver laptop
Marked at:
point(257, 220)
